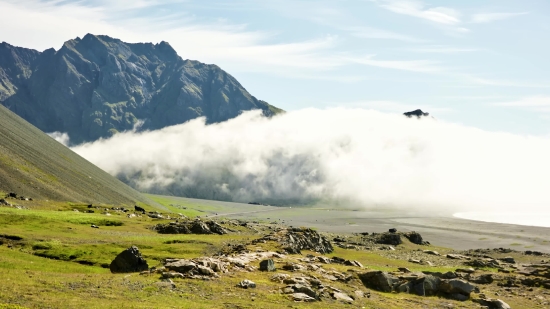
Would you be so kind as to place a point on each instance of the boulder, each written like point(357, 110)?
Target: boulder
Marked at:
point(432, 252)
point(301, 297)
point(378, 280)
point(492, 303)
point(246, 284)
point(415, 238)
point(180, 266)
point(343, 297)
point(426, 286)
point(457, 286)
point(129, 260)
point(508, 259)
point(482, 279)
point(293, 240)
point(323, 259)
point(301, 288)
point(267, 265)
point(205, 271)
point(199, 227)
point(216, 228)
point(389, 239)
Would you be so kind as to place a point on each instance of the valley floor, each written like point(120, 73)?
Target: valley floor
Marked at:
point(50, 257)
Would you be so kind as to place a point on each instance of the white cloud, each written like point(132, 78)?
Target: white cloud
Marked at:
point(375, 33)
point(440, 15)
point(490, 17)
point(396, 107)
point(424, 66)
point(40, 25)
point(441, 49)
point(61, 137)
point(362, 157)
point(539, 103)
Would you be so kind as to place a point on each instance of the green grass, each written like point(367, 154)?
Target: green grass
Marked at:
point(61, 263)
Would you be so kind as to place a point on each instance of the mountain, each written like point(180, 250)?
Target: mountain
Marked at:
point(33, 164)
point(97, 86)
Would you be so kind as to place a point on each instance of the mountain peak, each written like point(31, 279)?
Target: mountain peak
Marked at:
point(97, 86)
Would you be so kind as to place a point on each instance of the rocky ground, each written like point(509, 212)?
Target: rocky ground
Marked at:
point(143, 259)
point(479, 276)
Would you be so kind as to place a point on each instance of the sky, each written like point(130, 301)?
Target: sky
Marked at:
point(475, 63)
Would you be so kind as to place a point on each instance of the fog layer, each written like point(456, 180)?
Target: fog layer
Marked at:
point(351, 157)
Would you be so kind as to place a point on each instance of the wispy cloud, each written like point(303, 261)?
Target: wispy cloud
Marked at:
point(375, 33)
point(540, 103)
point(440, 15)
point(442, 49)
point(490, 17)
point(424, 66)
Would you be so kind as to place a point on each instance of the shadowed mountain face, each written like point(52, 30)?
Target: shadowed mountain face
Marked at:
point(96, 86)
point(33, 164)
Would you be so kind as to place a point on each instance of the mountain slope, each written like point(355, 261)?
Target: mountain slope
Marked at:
point(96, 86)
point(33, 164)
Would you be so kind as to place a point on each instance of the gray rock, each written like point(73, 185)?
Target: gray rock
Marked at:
point(267, 265)
point(508, 259)
point(379, 280)
point(323, 259)
point(129, 260)
point(389, 239)
point(432, 252)
point(343, 297)
point(301, 288)
point(415, 238)
point(180, 266)
point(165, 283)
point(482, 279)
point(454, 286)
point(301, 297)
point(426, 286)
point(247, 284)
point(205, 271)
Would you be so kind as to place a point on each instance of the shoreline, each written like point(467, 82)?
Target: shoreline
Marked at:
point(442, 231)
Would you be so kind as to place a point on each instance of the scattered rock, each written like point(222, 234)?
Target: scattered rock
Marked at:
point(129, 260)
point(293, 240)
point(301, 297)
point(378, 280)
point(432, 252)
point(267, 265)
point(389, 239)
point(246, 284)
point(343, 297)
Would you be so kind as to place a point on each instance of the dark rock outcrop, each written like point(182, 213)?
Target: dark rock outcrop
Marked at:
point(267, 265)
point(293, 240)
point(95, 86)
point(128, 261)
point(423, 285)
point(389, 239)
point(191, 227)
point(417, 112)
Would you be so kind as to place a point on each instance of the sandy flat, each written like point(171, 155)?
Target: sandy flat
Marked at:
point(440, 230)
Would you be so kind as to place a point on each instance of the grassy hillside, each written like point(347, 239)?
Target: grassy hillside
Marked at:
point(34, 165)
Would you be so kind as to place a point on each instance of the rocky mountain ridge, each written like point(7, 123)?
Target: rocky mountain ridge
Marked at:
point(96, 86)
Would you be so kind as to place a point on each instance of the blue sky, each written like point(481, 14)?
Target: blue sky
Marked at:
point(478, 63)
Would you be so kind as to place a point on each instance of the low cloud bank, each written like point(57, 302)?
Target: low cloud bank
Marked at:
point(61, 137)
point(352, 157)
